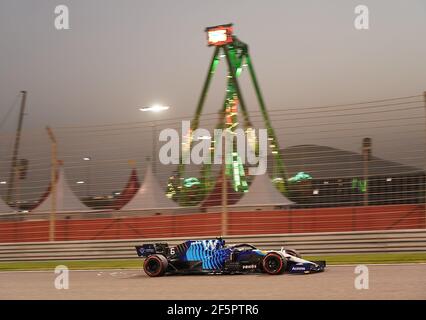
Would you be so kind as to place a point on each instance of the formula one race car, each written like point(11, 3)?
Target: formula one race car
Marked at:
point(213, 256)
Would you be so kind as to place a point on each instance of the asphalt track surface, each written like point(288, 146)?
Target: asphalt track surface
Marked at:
point(406, 281)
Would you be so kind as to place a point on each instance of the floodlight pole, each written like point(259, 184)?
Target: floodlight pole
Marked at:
point(53, 181)
point(13, 169)
point(154, 147)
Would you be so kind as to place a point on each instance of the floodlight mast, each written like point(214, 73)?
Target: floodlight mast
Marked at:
point(237, 55)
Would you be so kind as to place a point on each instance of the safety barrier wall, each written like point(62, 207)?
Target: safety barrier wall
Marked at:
point(391, 217)
point(330, 243)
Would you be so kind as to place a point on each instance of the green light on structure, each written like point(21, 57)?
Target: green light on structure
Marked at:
point(300, 176)
point(189, 182)
point(214, 65)
point(359, 184)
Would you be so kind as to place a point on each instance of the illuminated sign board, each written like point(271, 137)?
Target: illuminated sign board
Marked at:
point(219, 35)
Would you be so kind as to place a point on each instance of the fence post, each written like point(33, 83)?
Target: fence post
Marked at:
point(224, 220)
point(424, 175)
point(224, 203)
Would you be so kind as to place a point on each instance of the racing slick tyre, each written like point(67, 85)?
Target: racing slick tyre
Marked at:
point(155, 265)
point(293, 252)
point(273, 264)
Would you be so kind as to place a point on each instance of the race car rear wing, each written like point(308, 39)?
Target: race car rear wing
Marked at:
point(148, 249)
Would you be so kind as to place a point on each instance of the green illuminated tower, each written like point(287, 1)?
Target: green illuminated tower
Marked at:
point(236, 53)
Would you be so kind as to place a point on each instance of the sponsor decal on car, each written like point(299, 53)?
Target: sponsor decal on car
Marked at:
point(298, 268)
point(250, 266)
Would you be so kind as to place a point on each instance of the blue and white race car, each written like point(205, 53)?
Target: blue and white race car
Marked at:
point(213, 256)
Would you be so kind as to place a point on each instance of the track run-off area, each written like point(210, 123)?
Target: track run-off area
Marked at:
point(392, 281)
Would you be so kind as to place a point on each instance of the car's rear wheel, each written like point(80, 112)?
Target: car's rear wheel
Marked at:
point(155, 265)
point(273, 263)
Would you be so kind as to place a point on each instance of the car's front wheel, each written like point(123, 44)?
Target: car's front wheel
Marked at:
point(274, 264)
point(155, 265)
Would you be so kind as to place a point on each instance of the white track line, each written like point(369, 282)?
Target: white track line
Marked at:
point(377, 264)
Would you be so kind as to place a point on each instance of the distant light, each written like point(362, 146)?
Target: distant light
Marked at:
point(87, 158)
point(274, 152)
point(25, 211)
point(80, 182)
point(325, 182)
point(117, 193)
point(3, 182)
point(316, 191)
point(155, 108)
point(388, 179)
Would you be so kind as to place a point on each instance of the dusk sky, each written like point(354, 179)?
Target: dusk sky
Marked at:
point(119, 55)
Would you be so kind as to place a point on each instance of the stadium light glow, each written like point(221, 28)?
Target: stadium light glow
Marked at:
point(155, 108)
